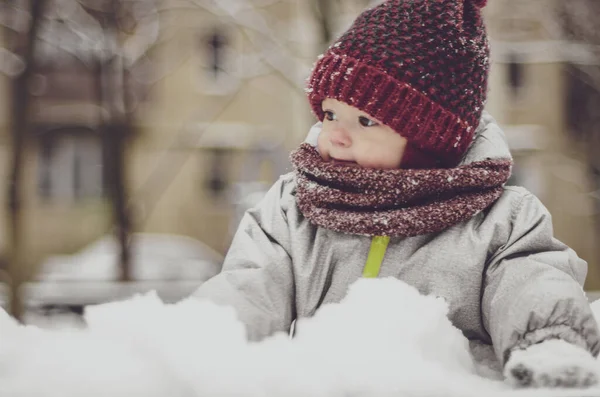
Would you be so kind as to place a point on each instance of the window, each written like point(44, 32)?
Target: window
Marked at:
point(515, 74)
point(527, 143)
point(70, 166)
point(216, 43)
point(217, 182)
point(218, 74)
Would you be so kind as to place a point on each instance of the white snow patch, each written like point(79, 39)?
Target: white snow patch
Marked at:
point(383, 339)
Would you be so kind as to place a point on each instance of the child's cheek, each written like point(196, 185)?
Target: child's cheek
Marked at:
point(322, 147)
point(369, 156)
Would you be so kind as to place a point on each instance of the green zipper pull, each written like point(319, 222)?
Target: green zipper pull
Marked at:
point(376, 253)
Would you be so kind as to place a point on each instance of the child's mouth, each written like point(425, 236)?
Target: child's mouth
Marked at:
point(343, 162)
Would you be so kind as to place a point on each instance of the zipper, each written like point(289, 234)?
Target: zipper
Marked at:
point(375, 258)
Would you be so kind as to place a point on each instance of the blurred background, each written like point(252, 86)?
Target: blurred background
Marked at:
point(134, 133)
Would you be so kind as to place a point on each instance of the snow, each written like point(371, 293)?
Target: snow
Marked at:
point(383, 339)
point(172, 265)
point(154, 257)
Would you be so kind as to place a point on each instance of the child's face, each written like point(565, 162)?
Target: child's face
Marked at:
point(353, 137)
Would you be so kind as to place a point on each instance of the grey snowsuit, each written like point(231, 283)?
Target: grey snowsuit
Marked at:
point(507, 280)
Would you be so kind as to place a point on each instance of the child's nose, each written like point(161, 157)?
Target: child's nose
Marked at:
point(340, 137)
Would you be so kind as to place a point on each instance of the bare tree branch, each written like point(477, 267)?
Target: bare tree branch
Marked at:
point(256, 29)
point(323, 10)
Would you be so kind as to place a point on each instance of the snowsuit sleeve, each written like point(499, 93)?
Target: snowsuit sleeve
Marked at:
point(533, 287)
point(257, 278)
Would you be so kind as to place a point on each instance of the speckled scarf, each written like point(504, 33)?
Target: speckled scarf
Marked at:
point(398, 202)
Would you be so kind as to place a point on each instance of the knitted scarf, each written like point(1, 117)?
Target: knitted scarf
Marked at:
point(393, 202)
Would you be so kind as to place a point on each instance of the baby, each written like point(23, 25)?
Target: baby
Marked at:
point(404, 177)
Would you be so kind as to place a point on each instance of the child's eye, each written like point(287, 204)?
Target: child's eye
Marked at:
point(366, 122)
point(329, 115)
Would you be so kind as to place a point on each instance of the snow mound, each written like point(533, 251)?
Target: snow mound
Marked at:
point(384, 339)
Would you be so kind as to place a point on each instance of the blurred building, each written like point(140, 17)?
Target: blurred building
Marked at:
point(217, 101)
point(529, 95)
point(221, 112)
point(215, 90)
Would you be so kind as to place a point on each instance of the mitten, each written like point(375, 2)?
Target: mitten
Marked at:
point(552, 363)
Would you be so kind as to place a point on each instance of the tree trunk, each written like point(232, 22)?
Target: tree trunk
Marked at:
point(19, 134)
point(116, 129)
point(115, 167)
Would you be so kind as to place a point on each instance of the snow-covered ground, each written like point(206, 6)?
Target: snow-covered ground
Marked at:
point(154, 257)
point(172, 265)
point(368, 345)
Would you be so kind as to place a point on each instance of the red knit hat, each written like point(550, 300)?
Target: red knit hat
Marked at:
point(418, 66)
